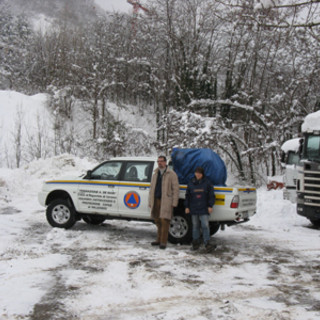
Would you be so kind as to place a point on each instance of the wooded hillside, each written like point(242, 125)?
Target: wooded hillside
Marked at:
point(235, 76)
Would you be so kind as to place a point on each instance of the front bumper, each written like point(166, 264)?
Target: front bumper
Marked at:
point(312, 213)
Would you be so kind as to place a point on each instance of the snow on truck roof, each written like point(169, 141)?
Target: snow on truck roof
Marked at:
point(291, 145)
point(311, 122)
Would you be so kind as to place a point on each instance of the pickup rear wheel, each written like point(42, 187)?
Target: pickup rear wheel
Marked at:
point(214, 227)
point(61, 214)
point(180, 229)
point(93, 219)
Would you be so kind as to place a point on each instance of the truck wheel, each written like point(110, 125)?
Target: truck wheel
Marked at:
point(93, 219)
point(180, 229)
point(61, 214)
point(316, 223)
point(214, 227)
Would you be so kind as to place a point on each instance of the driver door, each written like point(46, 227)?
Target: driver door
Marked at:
point(134, 189)
point(99, 194)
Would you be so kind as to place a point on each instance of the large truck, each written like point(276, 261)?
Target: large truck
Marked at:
point(308, 183)
point(290, 158)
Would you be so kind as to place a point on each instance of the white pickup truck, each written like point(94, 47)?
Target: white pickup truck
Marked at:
point(118, 189)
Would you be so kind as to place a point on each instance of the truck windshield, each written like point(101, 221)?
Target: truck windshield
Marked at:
point(312, 149)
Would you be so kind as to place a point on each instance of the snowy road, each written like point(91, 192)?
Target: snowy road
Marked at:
point(268, 268)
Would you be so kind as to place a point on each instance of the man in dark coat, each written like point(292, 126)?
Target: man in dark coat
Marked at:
point(199, 201)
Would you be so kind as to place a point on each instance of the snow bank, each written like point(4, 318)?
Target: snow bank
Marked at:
point(27, 128)
point(21, 117)
point(275, 213)
point(29, 178)
point(311, 122)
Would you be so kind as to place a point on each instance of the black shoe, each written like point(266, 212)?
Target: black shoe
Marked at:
point(210, 247)
point(155, 243)
point(195, 245)
point(162, 246)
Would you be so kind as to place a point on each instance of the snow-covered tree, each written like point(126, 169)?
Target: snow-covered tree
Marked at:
point(15, 33)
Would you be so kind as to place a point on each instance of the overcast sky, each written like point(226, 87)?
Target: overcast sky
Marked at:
point(115, 5)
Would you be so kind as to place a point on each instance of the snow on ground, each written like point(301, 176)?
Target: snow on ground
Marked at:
point(265, 269)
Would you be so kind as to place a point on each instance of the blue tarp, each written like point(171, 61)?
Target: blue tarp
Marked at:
point(185, 161)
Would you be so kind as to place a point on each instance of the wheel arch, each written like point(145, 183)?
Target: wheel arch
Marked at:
point(180, 207)
point(59, 194)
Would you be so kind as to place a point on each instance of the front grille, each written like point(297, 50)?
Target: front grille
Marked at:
point(312, 182)
point(312, 188)
point(312, 174)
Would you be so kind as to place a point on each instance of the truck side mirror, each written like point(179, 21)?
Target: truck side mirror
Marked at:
point(300, 147)
point(283, 158)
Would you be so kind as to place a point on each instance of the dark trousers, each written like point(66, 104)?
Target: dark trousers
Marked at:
point(163, 225)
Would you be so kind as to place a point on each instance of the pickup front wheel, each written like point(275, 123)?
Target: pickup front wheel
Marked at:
point(61, 214)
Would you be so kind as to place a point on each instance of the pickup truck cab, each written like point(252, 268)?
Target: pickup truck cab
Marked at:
point(119, 188)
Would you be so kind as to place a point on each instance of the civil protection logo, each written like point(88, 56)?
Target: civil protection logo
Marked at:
point(132, 199)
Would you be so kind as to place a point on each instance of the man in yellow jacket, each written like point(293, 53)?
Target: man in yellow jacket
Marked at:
point(163, 197)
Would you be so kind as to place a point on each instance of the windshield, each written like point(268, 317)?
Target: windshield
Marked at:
point(312, 148)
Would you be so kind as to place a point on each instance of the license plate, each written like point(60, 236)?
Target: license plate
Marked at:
point(247, 202)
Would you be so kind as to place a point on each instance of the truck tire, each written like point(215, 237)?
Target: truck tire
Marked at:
point(61, 214)
point(316, 223)
point(94, 219)
point(214, 227)
point(180, 229)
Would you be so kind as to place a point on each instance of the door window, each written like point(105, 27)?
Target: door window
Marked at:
point(107, 171)
point(138, 171)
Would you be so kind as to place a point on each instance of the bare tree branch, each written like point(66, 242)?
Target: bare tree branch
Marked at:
point(294, 5)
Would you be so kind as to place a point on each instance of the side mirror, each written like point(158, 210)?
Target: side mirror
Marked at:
point(88, 175)
point(283, 158)
point(301, 147)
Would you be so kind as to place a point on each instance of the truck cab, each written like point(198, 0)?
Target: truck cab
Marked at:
point(308, 184)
